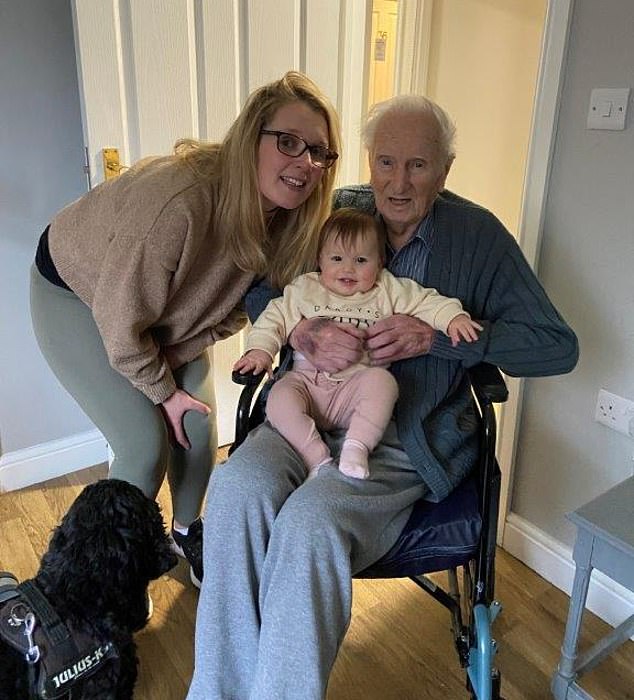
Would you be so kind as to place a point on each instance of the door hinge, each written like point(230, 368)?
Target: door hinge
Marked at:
point(86, 167)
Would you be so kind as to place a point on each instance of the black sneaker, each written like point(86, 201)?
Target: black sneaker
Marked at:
point(190, 547)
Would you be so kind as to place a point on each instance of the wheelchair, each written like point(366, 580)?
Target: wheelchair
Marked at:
point(460, 532)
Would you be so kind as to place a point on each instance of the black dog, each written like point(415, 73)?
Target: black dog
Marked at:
point(90, 594)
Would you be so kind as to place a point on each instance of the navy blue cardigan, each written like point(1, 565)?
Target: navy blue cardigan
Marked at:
point(474, 258)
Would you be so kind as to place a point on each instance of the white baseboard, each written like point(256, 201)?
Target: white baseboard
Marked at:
point(553, 561)
point(51, 459)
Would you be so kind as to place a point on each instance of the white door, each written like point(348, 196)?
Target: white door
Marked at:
point(154, 71)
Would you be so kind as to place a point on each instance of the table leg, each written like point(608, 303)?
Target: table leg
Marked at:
point(566, 670)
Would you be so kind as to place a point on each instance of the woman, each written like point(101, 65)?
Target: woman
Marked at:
point(135, 279)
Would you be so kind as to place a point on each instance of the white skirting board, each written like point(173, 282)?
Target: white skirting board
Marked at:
point(32, 465)
point(553, 561)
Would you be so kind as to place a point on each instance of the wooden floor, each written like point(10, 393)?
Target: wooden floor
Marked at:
point(398, 646)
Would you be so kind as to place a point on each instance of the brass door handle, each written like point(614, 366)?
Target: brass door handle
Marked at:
point(111, 164)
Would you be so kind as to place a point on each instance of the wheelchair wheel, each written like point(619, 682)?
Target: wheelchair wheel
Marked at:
point(496, 686)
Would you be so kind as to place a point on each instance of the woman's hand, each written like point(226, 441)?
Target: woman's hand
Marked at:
point(329, 346)
point(174, 409)
point(254, 361)
point(398, 337)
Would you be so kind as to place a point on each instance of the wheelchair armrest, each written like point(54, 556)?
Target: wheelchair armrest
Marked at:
point(251, 382)
point(489, 387)
point(488, 384)
point(248, 378)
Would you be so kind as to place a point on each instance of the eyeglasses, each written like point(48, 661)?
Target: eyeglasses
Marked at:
point(294, 146)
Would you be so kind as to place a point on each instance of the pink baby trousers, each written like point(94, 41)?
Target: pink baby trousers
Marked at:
point(305, 401)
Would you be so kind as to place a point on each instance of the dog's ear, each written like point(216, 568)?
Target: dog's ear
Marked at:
point(113, 530)
point(138, 532)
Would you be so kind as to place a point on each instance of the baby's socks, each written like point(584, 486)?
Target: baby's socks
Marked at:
point(353, 460)
point(313, 471)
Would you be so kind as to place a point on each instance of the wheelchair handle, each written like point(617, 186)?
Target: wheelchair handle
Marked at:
point(488, 383)
point(248, 378)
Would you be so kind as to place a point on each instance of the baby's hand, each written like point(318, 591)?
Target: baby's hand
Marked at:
point(463, 328)
point(254, 361)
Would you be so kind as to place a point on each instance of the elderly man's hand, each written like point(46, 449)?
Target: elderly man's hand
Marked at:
point(329, 346)
point(397, 338)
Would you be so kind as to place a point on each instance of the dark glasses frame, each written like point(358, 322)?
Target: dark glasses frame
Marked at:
point(320, 156)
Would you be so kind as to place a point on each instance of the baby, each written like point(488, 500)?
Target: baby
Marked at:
point(350, 287)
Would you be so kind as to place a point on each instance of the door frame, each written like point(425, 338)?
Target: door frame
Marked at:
point(536, 181)
point(414, 29)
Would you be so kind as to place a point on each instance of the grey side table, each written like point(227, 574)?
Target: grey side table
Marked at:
point(605, 541)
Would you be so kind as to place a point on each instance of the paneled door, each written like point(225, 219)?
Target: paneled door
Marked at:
point(154, 71)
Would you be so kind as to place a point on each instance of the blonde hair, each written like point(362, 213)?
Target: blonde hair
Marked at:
point(347, 225)
point(287, 246)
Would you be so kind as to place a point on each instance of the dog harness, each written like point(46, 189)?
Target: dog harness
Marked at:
point(60, 658)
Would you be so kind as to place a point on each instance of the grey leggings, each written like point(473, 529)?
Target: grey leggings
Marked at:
point(134, 427)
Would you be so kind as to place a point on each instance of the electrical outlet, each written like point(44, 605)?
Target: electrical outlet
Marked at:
point(615, 412)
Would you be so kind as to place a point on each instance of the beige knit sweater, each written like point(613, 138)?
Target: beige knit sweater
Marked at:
point(140, 252)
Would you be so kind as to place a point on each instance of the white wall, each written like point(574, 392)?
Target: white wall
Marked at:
point(41, 160)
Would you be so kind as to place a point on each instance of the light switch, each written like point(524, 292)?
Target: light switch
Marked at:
point(605, 108)
point(608, 108)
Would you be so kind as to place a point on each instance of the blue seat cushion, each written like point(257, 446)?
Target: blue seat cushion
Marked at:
point(437, 536)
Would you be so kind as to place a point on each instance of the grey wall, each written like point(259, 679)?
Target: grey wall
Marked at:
point(587, 265)
point(41, 159)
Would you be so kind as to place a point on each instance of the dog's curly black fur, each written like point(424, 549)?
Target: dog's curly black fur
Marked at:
point(110, 544)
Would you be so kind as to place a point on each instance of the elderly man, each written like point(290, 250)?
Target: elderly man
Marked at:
point(463, 251)
point(280, 551)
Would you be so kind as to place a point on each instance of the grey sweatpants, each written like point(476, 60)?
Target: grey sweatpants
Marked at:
point(133, 426)
point(279, 554)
